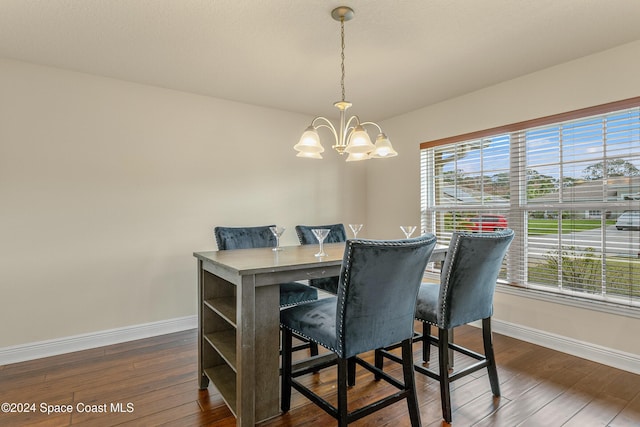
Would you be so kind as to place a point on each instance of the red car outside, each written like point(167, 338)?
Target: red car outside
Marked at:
point(487, 223)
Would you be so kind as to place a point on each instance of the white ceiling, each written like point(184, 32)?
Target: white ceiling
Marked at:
point(400, 54)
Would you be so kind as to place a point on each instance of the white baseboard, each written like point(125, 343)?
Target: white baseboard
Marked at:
point(607, 356)
point(20, 353)
point(37, 350)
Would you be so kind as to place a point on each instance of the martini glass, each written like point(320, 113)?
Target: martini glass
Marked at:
point(355, 228)
point(321, 234)
point(277, 232)
point(408, 230)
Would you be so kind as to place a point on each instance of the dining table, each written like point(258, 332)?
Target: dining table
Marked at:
point(239, 319)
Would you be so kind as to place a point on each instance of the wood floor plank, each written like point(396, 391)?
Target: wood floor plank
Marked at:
point(581, 395)
point(159, 377)
point(483, 406)
point(629, 415)
point(622, 385)
point(150, 403)
point(216, 417)
point(168, 415)
point(37, 420)
point(522, 407)
point(52, 361)
point(598, 412)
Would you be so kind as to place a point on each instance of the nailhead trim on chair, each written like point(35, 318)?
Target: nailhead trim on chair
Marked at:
point(419, 249)
point(458, 237)
point(350, 243)
point(449, 270)
point(291, 304)
point(342, 295)
point(345, 278)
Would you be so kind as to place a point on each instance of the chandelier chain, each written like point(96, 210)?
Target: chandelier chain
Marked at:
point(342, 55)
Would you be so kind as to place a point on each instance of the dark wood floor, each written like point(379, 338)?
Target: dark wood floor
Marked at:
point(156, 377)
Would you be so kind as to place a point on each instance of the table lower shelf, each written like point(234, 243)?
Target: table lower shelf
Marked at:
point(224, 379)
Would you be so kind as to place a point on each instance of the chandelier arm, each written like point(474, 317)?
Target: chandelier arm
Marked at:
point(325, 123)
point(374, 124)
point(348, 127)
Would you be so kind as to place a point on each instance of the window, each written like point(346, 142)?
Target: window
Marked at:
point(568, 185)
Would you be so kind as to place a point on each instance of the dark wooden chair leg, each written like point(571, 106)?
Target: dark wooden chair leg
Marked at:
point(450, 350)
point(313, 351)
point(285, 379)
point(443, 354)
point(343, 367)
point(489, 354)
point(313, 348)
point(426, 342)
point(410, 383)
point(378, 362)
point(351, 371)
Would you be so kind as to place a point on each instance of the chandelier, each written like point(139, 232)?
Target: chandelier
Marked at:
point(351, 137)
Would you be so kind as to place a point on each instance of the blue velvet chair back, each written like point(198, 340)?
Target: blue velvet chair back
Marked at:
point(244, 237)
point(336, 234)
point(261, 237)
point(377, 292)
point(469, 275)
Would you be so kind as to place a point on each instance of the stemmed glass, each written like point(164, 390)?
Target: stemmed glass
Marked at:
point(277, 232)
point(408, 230)
point(355, 228)
point(321, 234)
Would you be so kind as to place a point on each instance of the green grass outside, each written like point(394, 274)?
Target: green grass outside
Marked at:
point(550, 226)
point(580, 272)
point(583, 271)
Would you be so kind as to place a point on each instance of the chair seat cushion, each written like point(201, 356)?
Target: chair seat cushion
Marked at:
point(427, 303)
point(328, 284)
point(295, 293)
point(314, 320)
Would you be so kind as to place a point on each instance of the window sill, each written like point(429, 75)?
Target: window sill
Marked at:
point(572, 301)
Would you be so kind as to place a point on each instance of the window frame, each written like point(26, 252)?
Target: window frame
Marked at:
point(582, 299)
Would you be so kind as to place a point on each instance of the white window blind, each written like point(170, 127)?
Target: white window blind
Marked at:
point(569, 189)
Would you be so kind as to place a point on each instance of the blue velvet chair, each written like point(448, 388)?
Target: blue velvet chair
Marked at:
point(374, 307)
point(336, 234)
point(261, 237)
point(464, 295)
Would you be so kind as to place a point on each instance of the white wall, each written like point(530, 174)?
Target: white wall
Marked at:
point(393, 190)
point(108, 187)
